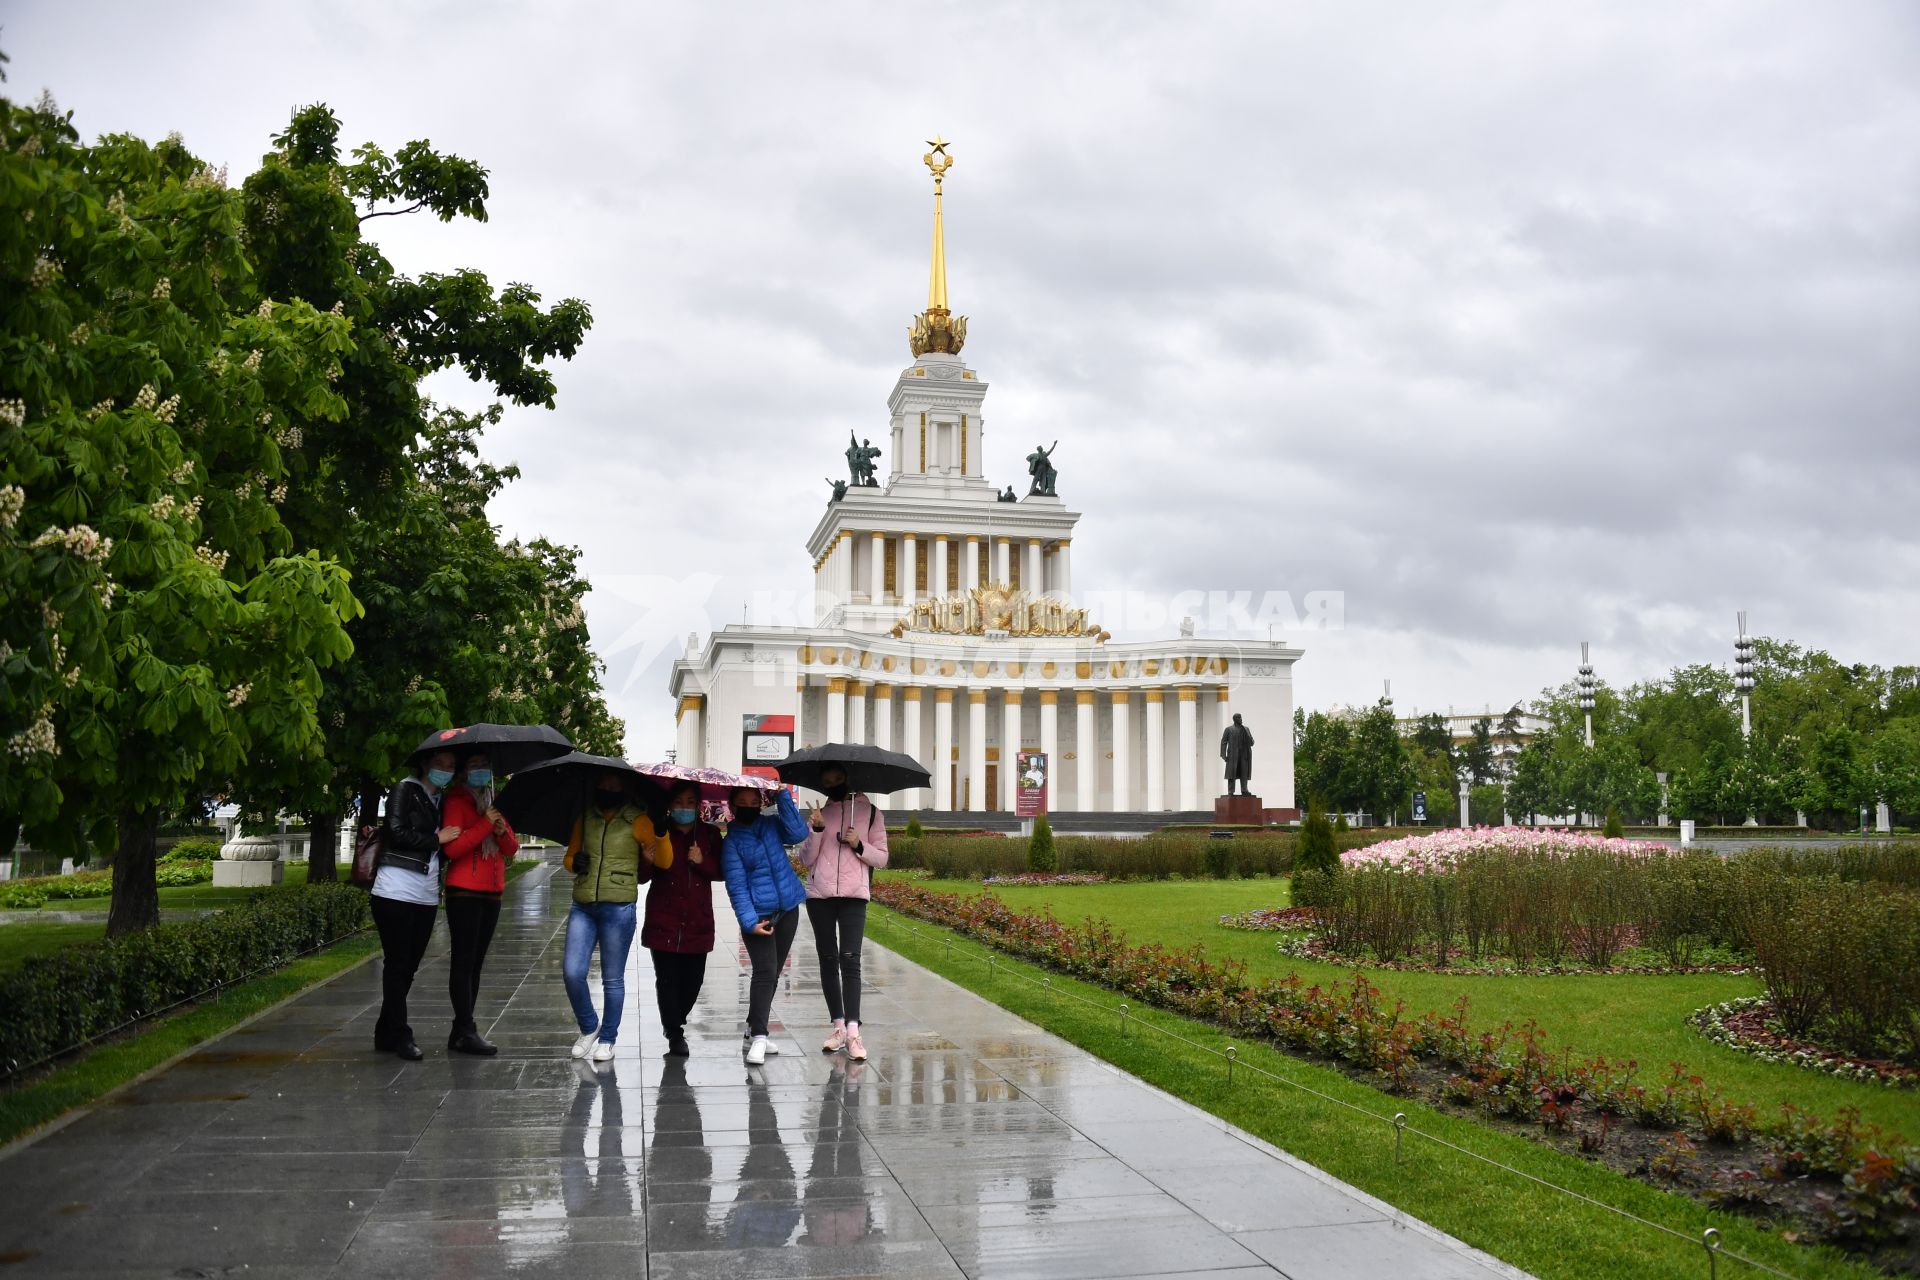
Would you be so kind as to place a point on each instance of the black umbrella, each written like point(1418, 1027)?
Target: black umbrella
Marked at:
point(546, 799)
point(868, 768)
point(510, 747)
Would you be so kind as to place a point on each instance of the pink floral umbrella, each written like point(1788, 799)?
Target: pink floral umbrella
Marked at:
point(715, 784)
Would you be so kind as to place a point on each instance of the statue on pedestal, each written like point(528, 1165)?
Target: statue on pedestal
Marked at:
point(839, 489)
point(1009, 495)
point(1236, 748)
point(1040, 467)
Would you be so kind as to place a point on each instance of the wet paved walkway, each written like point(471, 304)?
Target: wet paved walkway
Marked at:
point(972, 1144)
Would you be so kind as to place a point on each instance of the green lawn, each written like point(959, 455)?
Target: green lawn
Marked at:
point(1621, 1016)
point(1544, 1231)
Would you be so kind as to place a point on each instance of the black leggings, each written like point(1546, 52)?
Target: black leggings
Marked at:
point(768, 953)
point(676, 983)
point(471, 918)
point(839, 926)
point(404, 929)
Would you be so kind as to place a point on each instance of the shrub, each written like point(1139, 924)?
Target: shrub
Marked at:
point(1613, 829)
point(914, 831)
point(1316, 849)
point(1040, 853)
point(174, 875)
point(1340, 824)
point(57, 1002)
point(22, 895)
point(193, 849)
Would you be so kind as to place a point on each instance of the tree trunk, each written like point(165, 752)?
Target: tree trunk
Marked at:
point(323, 844)
point(136, 895)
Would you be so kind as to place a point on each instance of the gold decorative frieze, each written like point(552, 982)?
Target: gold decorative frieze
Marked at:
point(998, 606)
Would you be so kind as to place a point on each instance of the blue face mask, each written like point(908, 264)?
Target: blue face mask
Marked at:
point(479, 777)
point(685, 817)
point(440, 777)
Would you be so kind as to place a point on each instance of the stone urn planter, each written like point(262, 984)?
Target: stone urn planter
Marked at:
point(250, 861)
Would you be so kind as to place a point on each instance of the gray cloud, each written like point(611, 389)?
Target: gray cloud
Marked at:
point(1518, 324)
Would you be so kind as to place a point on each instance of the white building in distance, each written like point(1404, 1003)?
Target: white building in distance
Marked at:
point(945, 628)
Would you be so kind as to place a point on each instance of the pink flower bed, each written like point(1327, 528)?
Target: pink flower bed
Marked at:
point(1439, 850)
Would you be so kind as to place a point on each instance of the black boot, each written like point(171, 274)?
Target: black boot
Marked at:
point(467, 1039)
point(408, 1050)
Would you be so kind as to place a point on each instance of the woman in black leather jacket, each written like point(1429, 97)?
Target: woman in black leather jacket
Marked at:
point(406, 895)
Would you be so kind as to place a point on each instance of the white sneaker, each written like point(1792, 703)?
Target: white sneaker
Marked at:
point(757, 1051)
point(773, 1047)
point(603, 1052)
point(584, 1044)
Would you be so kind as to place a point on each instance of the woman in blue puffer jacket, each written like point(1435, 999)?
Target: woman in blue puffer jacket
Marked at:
point(766, 896)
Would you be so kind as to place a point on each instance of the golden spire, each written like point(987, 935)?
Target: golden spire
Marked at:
point(937, 329)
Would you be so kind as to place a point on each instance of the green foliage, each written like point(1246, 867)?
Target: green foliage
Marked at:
point(914, 831)
point(1040, 851)
point(1317, 850)
point(56, 1002)
point(1613, 827)
point(1842, 962)
point(1487, 805)
point(1161, 856)
point(193, 849)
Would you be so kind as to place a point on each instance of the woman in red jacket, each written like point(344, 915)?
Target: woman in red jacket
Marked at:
point(679, 927)
point(476, 877)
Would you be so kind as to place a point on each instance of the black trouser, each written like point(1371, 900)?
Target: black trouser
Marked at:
point(404, 929)
point(471, 918)
point(676, 983)
point(839, 925)
point(768, 953)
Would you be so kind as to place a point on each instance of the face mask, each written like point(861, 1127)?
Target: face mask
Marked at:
point(746, 817)
point(440, 777)
point(684, 817)
point(608, 799)
point(479, 777)
point(836, 793)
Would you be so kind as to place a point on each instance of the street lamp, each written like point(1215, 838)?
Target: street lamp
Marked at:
point(1743, 685)
point(1587, 683)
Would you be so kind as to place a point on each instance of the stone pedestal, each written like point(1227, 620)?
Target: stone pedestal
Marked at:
point(1241, 811)
point(248, 875)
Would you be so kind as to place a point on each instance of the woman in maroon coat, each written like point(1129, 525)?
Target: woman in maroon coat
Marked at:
point(679, 925)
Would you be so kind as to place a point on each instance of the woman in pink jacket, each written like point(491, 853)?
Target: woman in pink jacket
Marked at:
point(849, 840)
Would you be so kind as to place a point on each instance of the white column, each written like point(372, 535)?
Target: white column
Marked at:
point(1062, 569)
point(843, 568)
point(1189, 758)
point(836, 709)
point(1050, 743)
point(1087, 747)
point(1002, 559)
point(1465, 796)
point(937, 571)
point(856, 711)
point(911, 744)
point(1122, 749)
point(882, 735)
point(970, 567)
point(905, 570)
point(877, 571)
point(977, 750)
point(1032, 576)
point(687, 739)
point(1009, 744)
point(943, 749)
point(1156, 750)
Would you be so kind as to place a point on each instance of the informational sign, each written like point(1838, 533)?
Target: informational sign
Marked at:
point(764, 742)
point(1419, 806)
point(1030, 785)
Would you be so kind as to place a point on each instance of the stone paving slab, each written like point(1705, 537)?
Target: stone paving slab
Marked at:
point(972, 1144)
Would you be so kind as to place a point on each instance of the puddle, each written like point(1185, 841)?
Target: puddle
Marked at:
point(239, 1058)
point(134, 1100)
point(12, 1256)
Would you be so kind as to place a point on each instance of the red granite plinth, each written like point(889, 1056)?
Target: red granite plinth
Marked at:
point(1241, 811)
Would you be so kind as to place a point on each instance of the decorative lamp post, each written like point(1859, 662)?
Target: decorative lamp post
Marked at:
point(1587, 683)
point(1743, 685)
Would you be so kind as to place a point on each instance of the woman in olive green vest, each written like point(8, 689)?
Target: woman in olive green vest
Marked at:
point(609, 841)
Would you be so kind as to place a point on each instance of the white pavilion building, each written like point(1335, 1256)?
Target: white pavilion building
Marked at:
point(945, 629)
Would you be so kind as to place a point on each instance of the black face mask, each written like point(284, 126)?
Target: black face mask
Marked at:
point(835, 793)
point(607, 799)
point(746, 817)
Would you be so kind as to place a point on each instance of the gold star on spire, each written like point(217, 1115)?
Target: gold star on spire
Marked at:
point(937, 328)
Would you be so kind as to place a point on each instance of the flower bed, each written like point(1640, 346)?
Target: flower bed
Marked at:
point(1270, 919)
point(1047, 877)
point(1634, 960)
point(1847, 1182)
point(1749, 1025)
point(1440, 850)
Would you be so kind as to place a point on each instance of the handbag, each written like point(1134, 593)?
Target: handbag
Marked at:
point(367, 851)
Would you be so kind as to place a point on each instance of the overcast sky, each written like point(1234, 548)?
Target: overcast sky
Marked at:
point(1518, 324)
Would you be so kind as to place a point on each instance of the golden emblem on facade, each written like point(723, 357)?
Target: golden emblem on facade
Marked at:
point(998, 607)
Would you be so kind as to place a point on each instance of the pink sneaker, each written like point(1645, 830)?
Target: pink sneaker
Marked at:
point(856, 1052)
point(835, 1042)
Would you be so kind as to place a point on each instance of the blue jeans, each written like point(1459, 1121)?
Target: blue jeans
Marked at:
point(609, 925)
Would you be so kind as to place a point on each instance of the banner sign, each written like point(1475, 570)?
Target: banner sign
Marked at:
point(764, 742)
point(1030, 786)
point(1419, 806)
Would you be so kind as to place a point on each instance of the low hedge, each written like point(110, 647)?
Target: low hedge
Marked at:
point(1159, 856)
point(58, 1002)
